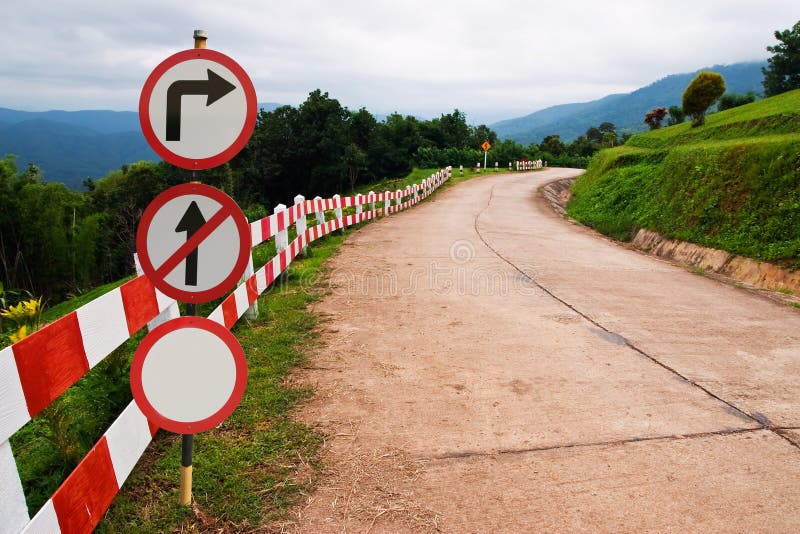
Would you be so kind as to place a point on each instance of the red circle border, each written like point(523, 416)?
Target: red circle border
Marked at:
point(239, 220)
point(247, 128)
point(183, 427)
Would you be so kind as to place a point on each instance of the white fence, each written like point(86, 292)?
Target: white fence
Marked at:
point(38, 369)
point(529, 165)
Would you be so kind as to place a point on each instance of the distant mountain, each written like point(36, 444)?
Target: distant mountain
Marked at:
point(625, 111)
point(70, 146)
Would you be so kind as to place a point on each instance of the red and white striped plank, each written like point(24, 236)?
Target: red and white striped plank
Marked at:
point(46, 363)
point(269, 226)
point(80, 502)
point(13, 508)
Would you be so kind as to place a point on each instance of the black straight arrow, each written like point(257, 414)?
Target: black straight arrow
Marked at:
point(214, 88)
point(191, 222)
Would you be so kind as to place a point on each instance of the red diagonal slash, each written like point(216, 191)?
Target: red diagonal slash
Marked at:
point(192, 243)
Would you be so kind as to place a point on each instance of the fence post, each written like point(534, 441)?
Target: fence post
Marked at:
point(321, 213)
point(398, 201)
point(461, 170)
point(496, 166)
point(337, 210)
point(387, 202)
point(372, 204)
point(281, 237)
point(250, 313)
point(359, 209)
point(479, 167)
point(300, 224)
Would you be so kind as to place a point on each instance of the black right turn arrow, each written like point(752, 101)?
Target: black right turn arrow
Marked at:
point(214, 88)
point(190, 223)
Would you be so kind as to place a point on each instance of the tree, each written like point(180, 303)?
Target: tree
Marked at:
point(481, 133)
point(701, 92)
point(553, 145)
point(654, 117)
point(730, 100)
point(356, 161)
point(676, 115)
point(455, 131)
point(783, 68)
point(582, 146)
point(606, 127)
point(595, 135)
point(610, 139)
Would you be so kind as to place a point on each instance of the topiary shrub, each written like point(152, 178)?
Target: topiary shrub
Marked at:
point(701, 92)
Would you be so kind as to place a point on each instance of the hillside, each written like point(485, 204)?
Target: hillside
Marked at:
point(626, 111)
point(70, 146)
point(732, 184)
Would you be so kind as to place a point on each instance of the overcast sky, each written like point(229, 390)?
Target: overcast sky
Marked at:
point(492, 59)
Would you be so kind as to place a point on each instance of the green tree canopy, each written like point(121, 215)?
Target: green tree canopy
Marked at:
point(783, 68)
point(553, 144)
point(701, 92)
point(676, 115)
point(731, 100)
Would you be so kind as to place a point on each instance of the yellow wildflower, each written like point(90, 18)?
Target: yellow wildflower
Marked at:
point(21, 334)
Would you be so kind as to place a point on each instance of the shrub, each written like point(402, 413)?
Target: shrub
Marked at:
point(676, 115)
point(701, 92)
point(730, 100)
point(654, 117)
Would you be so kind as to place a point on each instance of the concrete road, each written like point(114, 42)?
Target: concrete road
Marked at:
point(489, 366)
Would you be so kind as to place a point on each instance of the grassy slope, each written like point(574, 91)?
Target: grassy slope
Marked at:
point(733, 183)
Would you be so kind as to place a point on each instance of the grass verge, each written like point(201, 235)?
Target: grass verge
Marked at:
point(259, 462)
point(732, 184)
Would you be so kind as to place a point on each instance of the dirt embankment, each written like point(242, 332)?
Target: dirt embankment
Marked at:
point(742, 270)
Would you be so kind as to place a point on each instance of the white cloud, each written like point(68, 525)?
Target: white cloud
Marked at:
point(491, 59)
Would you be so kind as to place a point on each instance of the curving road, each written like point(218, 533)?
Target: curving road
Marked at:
point(487, 365)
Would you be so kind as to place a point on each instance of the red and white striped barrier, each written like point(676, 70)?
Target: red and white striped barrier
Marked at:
point(39, 368)
point(528, 165)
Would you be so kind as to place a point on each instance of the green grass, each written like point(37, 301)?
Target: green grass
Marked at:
point(733, 183)
point(256, 465)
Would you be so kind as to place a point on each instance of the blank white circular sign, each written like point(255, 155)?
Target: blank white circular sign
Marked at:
point(188, 374)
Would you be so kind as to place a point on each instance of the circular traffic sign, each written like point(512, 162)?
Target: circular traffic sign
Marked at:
point(193, 242)
point(198, 109)
point(188, 375)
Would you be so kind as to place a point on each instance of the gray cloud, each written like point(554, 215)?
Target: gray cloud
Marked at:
point(491, 59)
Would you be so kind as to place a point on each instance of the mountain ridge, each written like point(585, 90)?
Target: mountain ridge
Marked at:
point(625, 110)
point(71, 146)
